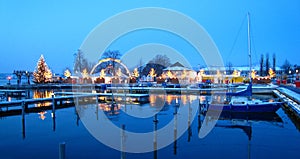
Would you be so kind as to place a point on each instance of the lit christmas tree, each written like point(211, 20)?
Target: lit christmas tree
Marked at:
point(253, 74)
point(119, 72)
point(136, 73)
point(152, 73)
point(272, 73)
point(42, 72)
point(170, 74)
point(102, 73)
point(236, 73)
point(67, 73)
point(85, 74)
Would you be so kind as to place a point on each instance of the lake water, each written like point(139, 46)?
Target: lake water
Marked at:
point(234, 136)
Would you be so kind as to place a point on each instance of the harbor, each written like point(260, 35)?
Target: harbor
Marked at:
point(246, 129)
point(150, 80)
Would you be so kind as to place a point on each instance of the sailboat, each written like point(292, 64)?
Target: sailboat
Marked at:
point(241, 101)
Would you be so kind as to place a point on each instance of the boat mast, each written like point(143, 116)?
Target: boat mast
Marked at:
point(249, 48)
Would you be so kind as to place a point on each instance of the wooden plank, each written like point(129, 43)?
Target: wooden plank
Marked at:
point(73, 95)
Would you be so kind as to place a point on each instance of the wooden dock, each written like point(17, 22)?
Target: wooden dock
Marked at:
point(292, 103)
point(160, 90)
point(116, 87)
point(71, 97)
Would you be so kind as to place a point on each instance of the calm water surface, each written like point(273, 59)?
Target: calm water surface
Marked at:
point(235, 136)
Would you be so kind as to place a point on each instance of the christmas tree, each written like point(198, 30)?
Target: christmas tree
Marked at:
point(42, 74)
point(272, 73)
point(67, 73)
point(152, 73)
point(136, 73)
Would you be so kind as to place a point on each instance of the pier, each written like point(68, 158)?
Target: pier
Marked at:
point(291, 99)
point(61, 98)
point(13, 93)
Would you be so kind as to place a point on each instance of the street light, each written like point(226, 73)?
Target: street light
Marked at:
point(8, 78)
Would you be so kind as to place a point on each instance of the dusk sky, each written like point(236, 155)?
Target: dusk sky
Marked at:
point(57, 29)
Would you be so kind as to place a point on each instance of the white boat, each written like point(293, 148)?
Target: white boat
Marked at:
point(241, 101)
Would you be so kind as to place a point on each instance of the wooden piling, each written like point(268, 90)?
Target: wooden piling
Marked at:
point(62, 150)
point(23, 119)
point(53, 106)
point(123, 137)
point(97, 107)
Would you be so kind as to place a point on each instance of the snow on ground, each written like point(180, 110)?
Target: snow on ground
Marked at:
point(290, 93)
point(294, 96)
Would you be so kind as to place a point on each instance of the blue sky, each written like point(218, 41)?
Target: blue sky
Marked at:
point(57, 29)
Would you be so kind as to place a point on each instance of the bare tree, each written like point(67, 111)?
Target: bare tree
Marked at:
point(81, 63)
point(286, 66)
point(229, 66)
point(158, 63)
point(114, 54)
point(140, 66)
point(267, 63)
point(274, 62)
point(261, 62)
point(161, 60)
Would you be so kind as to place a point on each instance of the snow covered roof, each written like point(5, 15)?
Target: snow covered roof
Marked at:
point(177, 67)
point(239, 68)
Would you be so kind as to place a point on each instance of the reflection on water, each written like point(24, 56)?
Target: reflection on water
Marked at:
point(42, 94)
point(42, 115)
point(236, 135)
point(110, 109)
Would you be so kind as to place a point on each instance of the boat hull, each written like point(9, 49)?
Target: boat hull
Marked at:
point(261, 107)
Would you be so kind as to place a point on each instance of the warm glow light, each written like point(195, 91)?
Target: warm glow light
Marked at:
point(152, 73)
point(42, 115)
point(136, 73)
point(48, 74)
point(102, 73)
point(184, 74)
point(85, 73)
point(272, 73)
point(202, 72)
point(253, 74)
point(119, 72)
point(236, 73)
point(170, 74)
point(44, 94)
point(184, 99)
point(169, 99)
point(67, 73)
point(218, 73)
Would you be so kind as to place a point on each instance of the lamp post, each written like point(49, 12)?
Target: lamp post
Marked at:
point(291, 76)
point(9, 78)
point(28, 74)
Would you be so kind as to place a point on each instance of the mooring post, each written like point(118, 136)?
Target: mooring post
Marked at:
point(27, 94)
point(23, 109)
point(200, 107)
point(53, 106)
point(23, 119)
point(206, 105)
point(155, 137)
point(125, 98)
point(62, 150)
point(123, 140)
point(97, 107)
